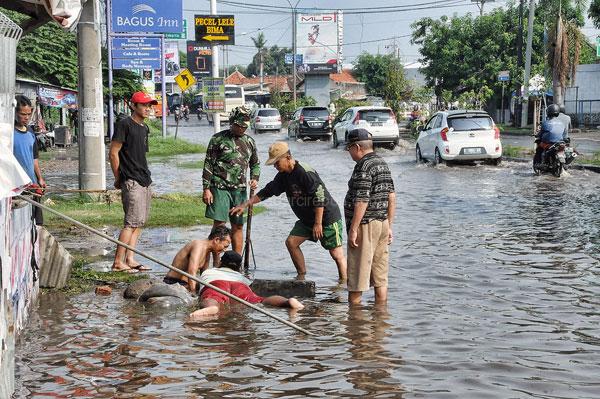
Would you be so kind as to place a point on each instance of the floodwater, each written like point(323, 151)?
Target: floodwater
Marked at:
point(494, 293)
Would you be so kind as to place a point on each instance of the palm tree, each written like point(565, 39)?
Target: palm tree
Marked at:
point(259, 43)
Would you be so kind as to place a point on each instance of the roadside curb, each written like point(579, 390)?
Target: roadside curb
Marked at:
point(593, 168)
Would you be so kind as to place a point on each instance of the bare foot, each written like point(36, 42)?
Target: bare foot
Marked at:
point(295, 304)
point(201, 314)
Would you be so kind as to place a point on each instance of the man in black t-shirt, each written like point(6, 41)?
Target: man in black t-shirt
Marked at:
point(319, 217)
point(128, 162)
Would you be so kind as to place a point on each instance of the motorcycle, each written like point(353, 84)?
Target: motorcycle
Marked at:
point(186, 113)
point(555, 158)
point(177, 114)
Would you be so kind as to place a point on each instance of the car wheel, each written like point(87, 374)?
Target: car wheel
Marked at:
point(418, 156)
point(438, 160)
point(334, 140)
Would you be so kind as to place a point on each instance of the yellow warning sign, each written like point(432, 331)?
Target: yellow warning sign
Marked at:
point(185, 79)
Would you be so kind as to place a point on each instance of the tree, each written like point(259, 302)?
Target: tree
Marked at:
point(373, 71)
point(273, 62)
point(594, 12)
point(397, 88)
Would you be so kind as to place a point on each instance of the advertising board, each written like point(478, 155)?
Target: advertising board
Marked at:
point(318, 39)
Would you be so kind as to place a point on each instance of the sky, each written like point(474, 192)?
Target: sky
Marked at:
point(373, 32)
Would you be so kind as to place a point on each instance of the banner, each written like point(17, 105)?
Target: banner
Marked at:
point(199, 59)
point(58, 98)
point(172, 68)
point(318, 40)
point(151, 16)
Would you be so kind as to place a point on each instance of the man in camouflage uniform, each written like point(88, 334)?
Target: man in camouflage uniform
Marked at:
point(229, 155)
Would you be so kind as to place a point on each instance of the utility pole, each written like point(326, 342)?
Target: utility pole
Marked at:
point(518, 104)
point(215, 68)
point(294, 53)
point(92, 159)
point(261, 73)
point(525, 111)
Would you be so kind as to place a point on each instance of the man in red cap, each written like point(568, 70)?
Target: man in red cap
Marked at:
point(128, 162)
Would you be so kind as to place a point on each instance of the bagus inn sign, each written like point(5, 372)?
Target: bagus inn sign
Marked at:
point(151, 16)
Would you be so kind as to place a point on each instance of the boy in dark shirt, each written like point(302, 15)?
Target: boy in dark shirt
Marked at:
point(128, 162)
point(319, 216)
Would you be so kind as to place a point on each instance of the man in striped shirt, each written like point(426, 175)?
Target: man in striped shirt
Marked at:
point(369, 211)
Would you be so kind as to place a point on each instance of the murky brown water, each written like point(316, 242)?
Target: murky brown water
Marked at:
point(494, 287)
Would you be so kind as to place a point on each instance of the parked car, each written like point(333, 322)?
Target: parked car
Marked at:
point(310, 122)
point(379, 121)
point(265, 119)
point(459, 136)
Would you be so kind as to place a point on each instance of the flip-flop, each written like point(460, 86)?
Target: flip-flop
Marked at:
point(140, 268)
point(128, 271)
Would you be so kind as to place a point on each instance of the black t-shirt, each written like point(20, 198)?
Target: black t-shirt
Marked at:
point(132, 156)
point(305, 191)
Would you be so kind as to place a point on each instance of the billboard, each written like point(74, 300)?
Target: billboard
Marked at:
point(199, 59)
point(172, 68)
point(319, 40)
point(151, 16)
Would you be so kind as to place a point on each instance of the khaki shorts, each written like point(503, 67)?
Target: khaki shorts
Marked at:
point(368, 264)
point(136, 203)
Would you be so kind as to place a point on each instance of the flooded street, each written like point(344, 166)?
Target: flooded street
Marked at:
point(494, 293)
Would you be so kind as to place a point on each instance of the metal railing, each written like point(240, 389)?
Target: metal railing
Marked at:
point(586, 112)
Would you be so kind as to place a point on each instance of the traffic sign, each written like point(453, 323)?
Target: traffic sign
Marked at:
point(185, 79)
point(214, 29)
point(182, 35)
point(199, 59)
point(504, 76)
point(213, 90)
point(289, 60)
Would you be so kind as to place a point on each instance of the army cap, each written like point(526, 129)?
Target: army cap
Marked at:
point(240, 116)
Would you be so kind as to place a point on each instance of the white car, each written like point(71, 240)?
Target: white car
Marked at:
point(266, 119)
point(459, 136)
point(379, 121)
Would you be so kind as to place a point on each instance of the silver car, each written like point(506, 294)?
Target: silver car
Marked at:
point(266, 119)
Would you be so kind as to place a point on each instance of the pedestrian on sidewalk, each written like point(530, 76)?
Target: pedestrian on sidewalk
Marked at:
point(25, 150)
point(369, 209)
point(229, 155)
point(128, 162)
point(319, 216)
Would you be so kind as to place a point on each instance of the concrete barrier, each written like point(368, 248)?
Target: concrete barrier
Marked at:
point(55, 261)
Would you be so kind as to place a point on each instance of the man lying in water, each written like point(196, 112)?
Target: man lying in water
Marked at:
point(195, 257)
point(228, 278)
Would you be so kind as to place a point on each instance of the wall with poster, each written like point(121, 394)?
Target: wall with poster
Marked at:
point(172, 68)
point(18, 288)
point(60, 98)
point(319, 40)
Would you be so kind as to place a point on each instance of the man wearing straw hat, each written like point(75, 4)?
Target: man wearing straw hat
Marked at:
point(319, 216)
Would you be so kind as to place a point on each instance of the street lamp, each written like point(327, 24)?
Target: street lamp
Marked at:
point(294, 46)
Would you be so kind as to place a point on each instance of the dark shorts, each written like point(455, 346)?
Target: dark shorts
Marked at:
point(223, 201)
point(332, 234)
point(240, 290)
point(172, 280)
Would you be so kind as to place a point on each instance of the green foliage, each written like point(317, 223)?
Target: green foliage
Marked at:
point(273, 62)
point(475, 99)
point(373, 71)
point(285, 104)
point(125, 82)
point(342, 105)
point(169, 146)
point(397, 89)
point(594, 13)
point(240, 68)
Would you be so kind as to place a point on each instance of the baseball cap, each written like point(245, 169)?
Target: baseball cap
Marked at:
point(240, 116)
point(277, 150)
point(139, 97)
point(231, 258)
point(359, 135)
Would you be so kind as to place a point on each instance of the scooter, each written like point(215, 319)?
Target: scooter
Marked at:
point(555, 158)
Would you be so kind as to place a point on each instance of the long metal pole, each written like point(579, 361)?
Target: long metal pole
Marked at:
point(518, 104)
point(215, 68)
point(525, 111)
point(111, 104)
point(294, 53)
point(170, 267)
point(163, 86)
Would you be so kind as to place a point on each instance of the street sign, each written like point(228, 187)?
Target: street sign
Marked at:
point(199, 59)
point(185, 79)
point(135, 53)
point(152, 16)
point(182, 35)
point(213, 90)
point(504, 76)
point(289, 60)
point(214, 29)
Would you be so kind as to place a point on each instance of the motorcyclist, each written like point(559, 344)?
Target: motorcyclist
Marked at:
point(552, 131)
point(565, 119)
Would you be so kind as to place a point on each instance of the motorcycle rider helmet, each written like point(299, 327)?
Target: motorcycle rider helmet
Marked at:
point(552, 110)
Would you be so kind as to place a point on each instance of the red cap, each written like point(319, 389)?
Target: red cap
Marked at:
point(139, 97)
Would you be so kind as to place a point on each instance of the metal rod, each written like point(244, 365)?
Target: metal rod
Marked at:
point(111, 104)
point(248, 247)
point(170, 267)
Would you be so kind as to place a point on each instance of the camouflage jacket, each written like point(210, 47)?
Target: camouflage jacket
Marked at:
point(227, 161)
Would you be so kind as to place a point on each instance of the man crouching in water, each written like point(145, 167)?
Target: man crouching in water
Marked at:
point(228, 278)
point(195, 257)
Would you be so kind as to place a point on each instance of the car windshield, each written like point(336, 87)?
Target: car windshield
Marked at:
point(465, 123)
point(268, 112)
point(315, 113)
point(379, 115)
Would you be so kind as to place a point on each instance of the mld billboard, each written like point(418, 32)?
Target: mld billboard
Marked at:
point(319, 41)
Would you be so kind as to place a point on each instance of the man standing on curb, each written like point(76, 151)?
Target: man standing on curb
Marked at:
point(228, 156)
point(129, 166)
point(319, 216)
point(369, 209)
